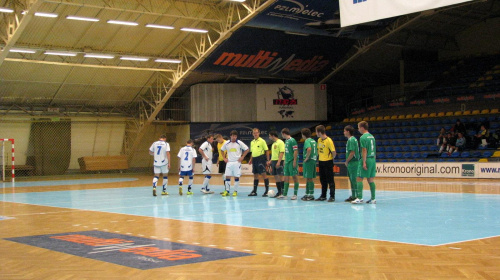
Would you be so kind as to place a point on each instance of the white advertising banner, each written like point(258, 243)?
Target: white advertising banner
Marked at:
point(278, 102)
point(488, 170)
point(360, 11)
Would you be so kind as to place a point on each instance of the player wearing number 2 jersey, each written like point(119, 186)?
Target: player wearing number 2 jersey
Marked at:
point(366, 167)
point(161, 152)
point(187, 159)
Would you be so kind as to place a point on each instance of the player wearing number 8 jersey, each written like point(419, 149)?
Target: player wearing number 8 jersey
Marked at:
point(366, 166)
point(160, 150)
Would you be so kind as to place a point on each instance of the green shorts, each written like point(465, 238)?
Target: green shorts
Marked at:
point(309, 169)
point(371, 168)
point(288, 169)
point(352, 169)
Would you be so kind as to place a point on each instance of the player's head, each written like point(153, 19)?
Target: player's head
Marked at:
point(219, 138)
point(362, 127)
point(256, 133)
point(210, 138)
point(348, 131)
point(273, 135)
point(189, 142)
point(163, 137)
point(320, 130)
point(306, 133)
point(234, 135)
point(285, 132)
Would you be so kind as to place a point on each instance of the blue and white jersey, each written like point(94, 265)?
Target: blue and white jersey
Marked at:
point(186, 155)
point(160, 149)
point(207, 150)
point(234, 150)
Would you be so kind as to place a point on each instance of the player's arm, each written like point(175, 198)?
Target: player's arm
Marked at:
point(349, 157)
point(267, 155)
point(280, 158)
point(332, 149)
point(152, 150)
point(151, 153)
point(243, 155)
point(168, 157)
point(308, 153)
point(295, 156)
point(202, 153)
point(194, 159)
point(363, 156)
point(224, 153)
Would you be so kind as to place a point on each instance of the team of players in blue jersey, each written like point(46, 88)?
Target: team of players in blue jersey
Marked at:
point(283, 163)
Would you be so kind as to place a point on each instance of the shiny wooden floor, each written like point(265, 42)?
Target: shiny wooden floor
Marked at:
point(278, 254)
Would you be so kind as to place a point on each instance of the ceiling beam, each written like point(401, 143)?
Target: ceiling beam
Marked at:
point(19, 30)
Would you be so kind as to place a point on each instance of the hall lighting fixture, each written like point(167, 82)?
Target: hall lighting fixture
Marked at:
point(22, 51)
point(129, 23)
point(82, 18)
point(134, 58)
point(49, 15)
point(60, 53)
point(6, 10)
point(194, 30)
point(166, 60)
point(97, 55)
point(159, 26)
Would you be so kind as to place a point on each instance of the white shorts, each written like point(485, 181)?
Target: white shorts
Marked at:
point(233, 169)
point(161, 169)
point(206, 166)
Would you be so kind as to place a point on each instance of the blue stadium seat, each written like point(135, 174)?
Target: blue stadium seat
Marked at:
point(406, 148)
point(436, 121)
point(425, 155)
point(411, 160)
point(434, 134)
point(390, 130)
point(392, 136)
point(419, 142)
point(416, 155)
point(444, 155)
point(382, 130)
point(405, 129)
point(394, 142)
point(451, 160)
point(429, 122)
point(410, 142)
point(423, 148)
point(408, 136)
point(429, 141)
point(440, 160)
point(455, 154)
point(422, 128)
point(415, 148)
point(487, 154)
point(380, 149)
point(380, 155)
point(398, 155)
point(341, 156)
point(389, 155)
point(400, 136)
point(426, 134)
point(398, 149)
point(420, 160)
point(384, 136)
point(407, 155)
point(413, 129)
point(476, 154)
point(402, 142)
point(397, 129)
point(383, 160)
point(342, 150)
point(389, 149)
point(465, 154)
point(417, 135)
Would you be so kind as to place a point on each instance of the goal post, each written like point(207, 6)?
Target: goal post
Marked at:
point(13, 166)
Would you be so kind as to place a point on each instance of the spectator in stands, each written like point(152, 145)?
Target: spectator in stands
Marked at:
point(459, 127)
point(452, 140)
point(460, 144)
point(482, 136)
point(442, 140)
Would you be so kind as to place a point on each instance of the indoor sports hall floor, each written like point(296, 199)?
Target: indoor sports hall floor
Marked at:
point(419, 229)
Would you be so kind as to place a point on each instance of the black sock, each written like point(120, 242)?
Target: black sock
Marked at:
point(266, 183)
point(255, 184)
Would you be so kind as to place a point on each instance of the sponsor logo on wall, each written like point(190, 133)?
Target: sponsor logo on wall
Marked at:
point(286, 101)
point(468, 170)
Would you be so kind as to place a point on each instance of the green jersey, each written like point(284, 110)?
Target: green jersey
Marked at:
point(367, 141)
point(290, 147)
point(310, 143)
point(352, 146)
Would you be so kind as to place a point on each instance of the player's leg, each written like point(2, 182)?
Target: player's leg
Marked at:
point(181, 181)
point(330, 178)
point(222, 170)
point(164, 171)
point(190, 182)
point(323, 180)
point(255, 171)
point(371, 179)
point(262, 167)
point(359, 183)
point(227, 182)
point(352, 169)
point(156, 171)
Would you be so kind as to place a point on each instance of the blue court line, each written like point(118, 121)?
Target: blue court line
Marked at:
point(67, 182)
point(423, 218)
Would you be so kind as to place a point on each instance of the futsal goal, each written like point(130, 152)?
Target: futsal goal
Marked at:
point(4, 160)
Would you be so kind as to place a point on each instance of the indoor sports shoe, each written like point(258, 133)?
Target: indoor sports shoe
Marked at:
point(276, 195)
point(265, 195)
point(320, 198)
point(154, 191)
point(282, 197)
point(203, 190)
point(209, 192)
point(225, 193)
point(235, 193)
point(164, 193)
point(331, 199)
point(349, 199)
point(304, 197)
point(310, 198)
point(252, 194)
point(189, 193)
point(372, 201)
point(294, 197)
point(180, 190)
point(357, 201)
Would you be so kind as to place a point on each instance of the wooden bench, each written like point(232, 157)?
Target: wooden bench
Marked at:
point(26, 170)
point(102, 163)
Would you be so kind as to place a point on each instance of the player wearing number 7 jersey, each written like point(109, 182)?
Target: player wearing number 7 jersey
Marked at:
point(366, 167)
point(160, 150)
